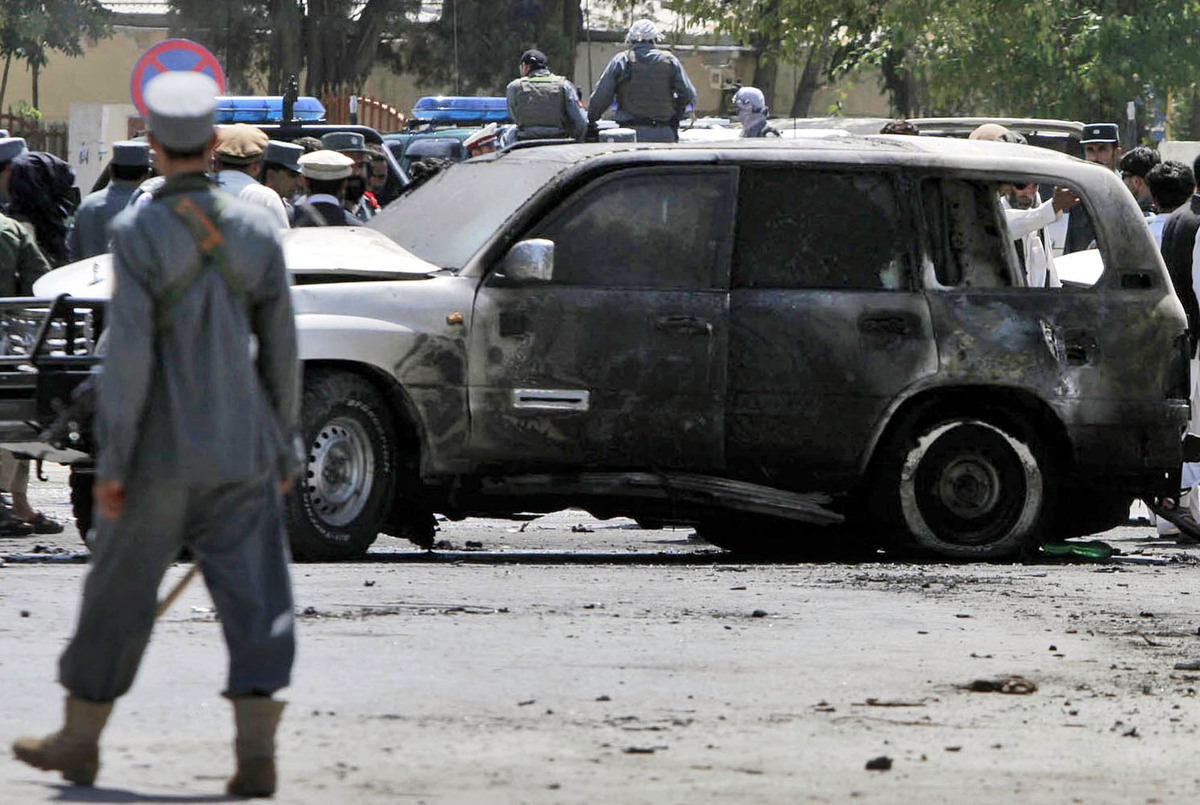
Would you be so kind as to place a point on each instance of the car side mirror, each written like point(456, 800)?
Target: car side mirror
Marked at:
point(529, 261)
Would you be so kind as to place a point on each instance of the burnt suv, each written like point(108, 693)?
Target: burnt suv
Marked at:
point(782, 343)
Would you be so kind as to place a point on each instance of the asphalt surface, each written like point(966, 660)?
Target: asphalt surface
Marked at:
point(569, 660)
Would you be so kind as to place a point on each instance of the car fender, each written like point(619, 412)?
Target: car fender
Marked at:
point(424, 373)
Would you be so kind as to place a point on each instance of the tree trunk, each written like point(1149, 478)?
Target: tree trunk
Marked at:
point(1192, 133)
point(287, 44)
point(814, 67)
point(897, 81)
point(766, 69)
point(4, 81)
point(36, 70)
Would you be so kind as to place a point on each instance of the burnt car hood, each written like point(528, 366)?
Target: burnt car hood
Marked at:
point(312, 254)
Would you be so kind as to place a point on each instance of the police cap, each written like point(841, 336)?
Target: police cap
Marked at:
point(131, 153)
point(285, 155)
point(11, 148)
point(1100, 133)
point(346, 141)
point(180, 109)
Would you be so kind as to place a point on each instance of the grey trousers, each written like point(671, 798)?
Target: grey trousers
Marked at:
point(236, 533)
point(655, 134)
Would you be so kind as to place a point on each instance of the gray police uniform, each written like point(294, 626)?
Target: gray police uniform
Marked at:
point(200, 430)
point(651, 89)
point(545, 106)
point(89, 237)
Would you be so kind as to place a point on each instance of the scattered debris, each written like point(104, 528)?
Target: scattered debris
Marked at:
point(642, 750)
point(758, 613)
point(581, 529)
point(1016, 685)
point(881, 763)
point(604, 697)
point(24, 613)
point(527, 702)
point(1194, 665)
point(1090, 551)
point(368, 582)
point(953, 748)
point(890, 703)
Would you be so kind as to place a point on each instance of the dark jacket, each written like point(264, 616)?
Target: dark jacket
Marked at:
point(1179, 238)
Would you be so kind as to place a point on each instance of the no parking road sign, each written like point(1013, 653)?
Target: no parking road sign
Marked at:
point(173, 54)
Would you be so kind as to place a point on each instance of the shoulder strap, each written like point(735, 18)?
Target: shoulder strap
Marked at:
point(211, 245)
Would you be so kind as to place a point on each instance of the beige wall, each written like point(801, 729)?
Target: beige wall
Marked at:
point(101, 75)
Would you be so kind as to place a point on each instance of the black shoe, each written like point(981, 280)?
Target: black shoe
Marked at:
point(12, 527)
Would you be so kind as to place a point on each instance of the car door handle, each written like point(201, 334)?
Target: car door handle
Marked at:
point(887, 324)
point(683, 325)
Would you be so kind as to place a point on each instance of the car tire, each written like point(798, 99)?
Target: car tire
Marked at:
point(81, 479)
point(969, 489)
point(342, 498)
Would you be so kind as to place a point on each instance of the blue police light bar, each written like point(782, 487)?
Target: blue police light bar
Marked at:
point(266, 109)
point(461, 109)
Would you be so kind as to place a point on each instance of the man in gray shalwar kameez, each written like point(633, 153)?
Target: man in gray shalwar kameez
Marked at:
point(197, 445)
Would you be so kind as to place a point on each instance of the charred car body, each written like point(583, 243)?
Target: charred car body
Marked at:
point(776, 342)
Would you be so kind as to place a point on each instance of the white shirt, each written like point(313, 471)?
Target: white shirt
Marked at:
point(246, 188)
point(1156, 227)
point(1027, 227)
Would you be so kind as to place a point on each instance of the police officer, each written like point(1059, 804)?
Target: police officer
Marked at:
point(544, 105)
point(325, 173)
point(1101, 145)
point(650, 86)
point(129, 167)
point(281, 172)
point(199, 277)
point(751, 108)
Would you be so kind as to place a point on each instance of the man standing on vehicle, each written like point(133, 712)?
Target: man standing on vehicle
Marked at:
point(650, 85)
point(751, 107)
point(543, 105)
point(129, 167)
point(199, 277)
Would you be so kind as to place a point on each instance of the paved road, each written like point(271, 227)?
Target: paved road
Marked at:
point(553, 664)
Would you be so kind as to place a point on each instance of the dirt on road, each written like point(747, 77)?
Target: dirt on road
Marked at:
point(568, 660)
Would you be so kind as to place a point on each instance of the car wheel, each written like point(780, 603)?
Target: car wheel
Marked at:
point(342, 497)
point(81, 478)
point(968, 489)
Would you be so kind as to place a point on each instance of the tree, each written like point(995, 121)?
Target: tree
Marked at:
point(806, 33)
point(473, 47)
point(1070, 58)
point(31, 29)
point(335, 43)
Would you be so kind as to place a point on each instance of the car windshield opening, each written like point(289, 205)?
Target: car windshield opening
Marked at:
point(452, 215)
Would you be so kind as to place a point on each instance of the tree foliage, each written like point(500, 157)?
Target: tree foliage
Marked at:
point(333, 43)
point(473, 45)
point(1062, 58)
point(30, 30)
